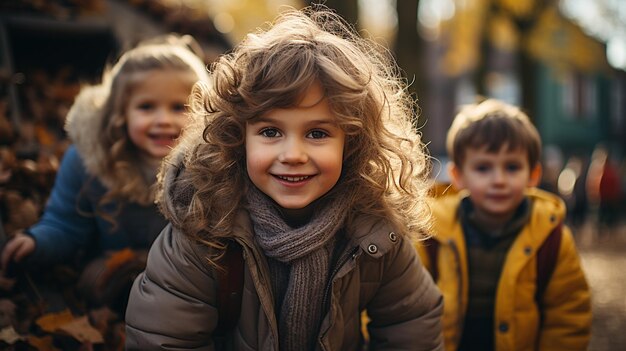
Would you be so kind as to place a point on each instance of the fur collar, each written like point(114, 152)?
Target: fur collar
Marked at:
point(84, 125)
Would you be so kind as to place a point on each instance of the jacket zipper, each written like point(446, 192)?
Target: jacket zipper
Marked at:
point(325, 301)
point(344, 260)
point(263, 280)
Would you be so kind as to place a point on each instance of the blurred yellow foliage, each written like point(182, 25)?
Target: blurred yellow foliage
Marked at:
point(553, 40)
point(244, 15)
point(563, 45)
point(502, 33)
point(519, 8)
point(464, 33)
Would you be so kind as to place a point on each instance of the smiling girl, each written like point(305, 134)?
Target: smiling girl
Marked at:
point(304, 154)
point(121, 129)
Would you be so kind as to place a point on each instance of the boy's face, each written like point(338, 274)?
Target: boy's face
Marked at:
point(295, 155)
point(496, 181)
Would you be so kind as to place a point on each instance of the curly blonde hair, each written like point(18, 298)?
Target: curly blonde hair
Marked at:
point(385, 163)
point(120, 163)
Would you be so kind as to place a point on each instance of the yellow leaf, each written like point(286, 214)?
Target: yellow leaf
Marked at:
point(119, 258)
point(52, 321)
point(81, 330)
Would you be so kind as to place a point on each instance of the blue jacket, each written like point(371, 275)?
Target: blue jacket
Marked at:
point(71, 224)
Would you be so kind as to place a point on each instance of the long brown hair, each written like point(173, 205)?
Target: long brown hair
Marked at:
point(385, 163)
point(115, 160)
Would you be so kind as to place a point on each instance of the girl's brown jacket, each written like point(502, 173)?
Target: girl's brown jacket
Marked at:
point(172, 304)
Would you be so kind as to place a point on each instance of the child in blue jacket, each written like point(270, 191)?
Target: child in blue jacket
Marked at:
point(102, 199)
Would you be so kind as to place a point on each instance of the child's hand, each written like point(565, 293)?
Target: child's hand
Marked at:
point(16, 249)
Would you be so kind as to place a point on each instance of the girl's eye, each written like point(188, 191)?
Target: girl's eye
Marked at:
point(145, 106)
point(270, 133)
point(178, 108)
point(317, 134)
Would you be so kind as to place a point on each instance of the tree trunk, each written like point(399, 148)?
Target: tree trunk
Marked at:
point(348, 9)
point(526, 64)
point(408, 45)
point(480, 74)
point(527, 72)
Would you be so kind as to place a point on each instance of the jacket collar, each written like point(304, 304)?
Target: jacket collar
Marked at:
point(547, 212)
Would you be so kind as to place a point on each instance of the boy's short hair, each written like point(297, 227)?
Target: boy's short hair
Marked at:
point(492, 124)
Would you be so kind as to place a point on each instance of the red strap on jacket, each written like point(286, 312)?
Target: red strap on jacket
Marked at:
point(547, 256)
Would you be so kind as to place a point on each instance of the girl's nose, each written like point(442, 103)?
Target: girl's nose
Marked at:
point(165, 116)
point(293, 151)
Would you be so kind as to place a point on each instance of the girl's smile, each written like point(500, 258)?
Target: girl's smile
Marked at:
point(294, 180)
point(295, 155)
point(166, 139)
point(156, 111)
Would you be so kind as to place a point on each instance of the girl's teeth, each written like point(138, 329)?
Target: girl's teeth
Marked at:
point(293, 179)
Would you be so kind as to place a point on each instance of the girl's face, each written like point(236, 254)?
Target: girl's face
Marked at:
point(294, 155)
point(155, 113)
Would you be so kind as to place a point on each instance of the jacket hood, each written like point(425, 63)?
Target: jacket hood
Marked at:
point(175, 194)
point(84, 125)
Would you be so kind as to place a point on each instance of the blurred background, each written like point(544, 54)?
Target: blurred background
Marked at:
point(562, 61)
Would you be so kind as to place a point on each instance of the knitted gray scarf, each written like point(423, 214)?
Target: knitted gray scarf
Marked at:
point(301, 263)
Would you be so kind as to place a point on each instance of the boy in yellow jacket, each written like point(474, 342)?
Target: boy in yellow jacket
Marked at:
point(508, 268)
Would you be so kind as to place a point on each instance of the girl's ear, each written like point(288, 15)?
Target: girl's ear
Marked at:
point(535, 176)
point(455, 176)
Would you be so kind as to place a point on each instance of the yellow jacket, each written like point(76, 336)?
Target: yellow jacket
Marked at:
point(567, 308)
